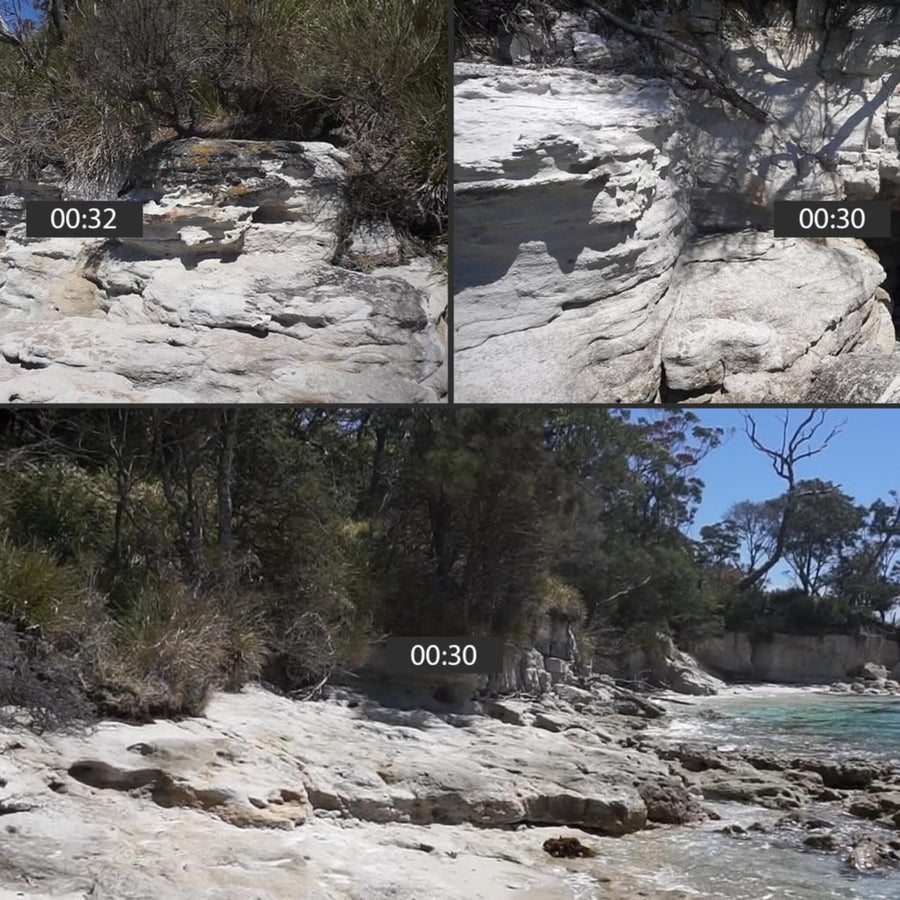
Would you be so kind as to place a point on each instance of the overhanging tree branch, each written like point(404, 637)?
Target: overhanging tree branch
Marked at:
point(719, 85)
point(8, 37)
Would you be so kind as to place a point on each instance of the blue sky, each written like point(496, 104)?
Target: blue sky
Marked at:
point(862, 459)
point(27, 9)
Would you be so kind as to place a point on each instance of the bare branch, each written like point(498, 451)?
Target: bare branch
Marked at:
point(720, 85)
point(633, 587)
point(795, 446)
point(8, 36)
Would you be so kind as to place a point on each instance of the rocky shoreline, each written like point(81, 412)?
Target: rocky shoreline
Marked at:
point(350, 797)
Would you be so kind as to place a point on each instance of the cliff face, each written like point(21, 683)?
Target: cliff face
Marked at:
point(230, 296)
point(797, 659)
point(614, 227)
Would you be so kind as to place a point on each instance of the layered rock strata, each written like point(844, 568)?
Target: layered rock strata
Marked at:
point(230, 295)
point(614, 228)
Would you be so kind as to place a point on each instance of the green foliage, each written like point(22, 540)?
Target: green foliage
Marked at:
point(170, 650)
point(33, 585)
point(553, 597)
point(57, 507)
point(720, 544)
point(823, 527)
point(790, 611)
point(128, 73)
point(171, 552)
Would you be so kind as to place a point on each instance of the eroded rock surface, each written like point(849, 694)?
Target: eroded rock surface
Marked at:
point(266, 797)
point(795, 658)
point(229, 296)
point(271, 798)
point(614, 229)
point(570, 213)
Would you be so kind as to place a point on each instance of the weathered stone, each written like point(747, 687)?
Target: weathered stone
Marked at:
point(728, 321)
point(559, 669)
point(864, 809)
point(870, 671)
point(826, 840)
point(549, 723)
point(596, 261)
point(668, 801)
point(747, 788)
point(651, 271)
point(229, 296)
point(794, 658)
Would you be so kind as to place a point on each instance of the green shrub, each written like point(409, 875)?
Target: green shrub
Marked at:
point(129, 73)
point(169, 651)
point(34, 588)
point(58, 507)
point(550, 595)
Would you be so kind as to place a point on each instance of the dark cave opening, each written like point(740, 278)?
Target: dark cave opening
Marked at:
point(888, 250)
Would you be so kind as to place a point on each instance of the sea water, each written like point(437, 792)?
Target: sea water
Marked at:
point(801, 721)
point(708, 864)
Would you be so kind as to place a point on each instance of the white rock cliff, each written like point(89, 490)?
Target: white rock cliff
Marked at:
point(230, 296)
point(614, 229)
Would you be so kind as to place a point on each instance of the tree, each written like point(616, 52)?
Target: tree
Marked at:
point(823, 529)
point(634, 493)
point(796, 446)
point(720, 544)
point(868, 577)
point(755, 524)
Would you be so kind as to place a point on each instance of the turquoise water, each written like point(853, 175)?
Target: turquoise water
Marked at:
point(803, 723)
point(709, 864)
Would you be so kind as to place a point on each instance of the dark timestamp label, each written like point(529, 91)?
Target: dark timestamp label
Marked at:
point(84, 218)
point(832, 218)
point(444, 654)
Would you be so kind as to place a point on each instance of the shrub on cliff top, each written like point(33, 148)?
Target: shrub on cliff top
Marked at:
point(89, 95)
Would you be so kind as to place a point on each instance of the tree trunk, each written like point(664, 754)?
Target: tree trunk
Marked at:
point(225, 479)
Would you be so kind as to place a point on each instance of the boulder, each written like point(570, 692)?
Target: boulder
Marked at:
point(667, 666)
point(771, 793)
point(599, 258)
point(823, 840)
point(729, 324)
point(861, 377)
point(652, 272)
point(668, 801)
point(560, 670)
point(870, 671)
point(871, 852)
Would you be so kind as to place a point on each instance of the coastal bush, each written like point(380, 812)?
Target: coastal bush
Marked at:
point(789, 610)
point(170, 650)
point(324, 529)
point(58, 506)
point(551, 596)
point(34, 586)
point(377, 72)
point(90, 97)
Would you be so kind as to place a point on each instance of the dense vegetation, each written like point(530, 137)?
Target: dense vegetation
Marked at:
point(92, 85)
point(160, 553)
